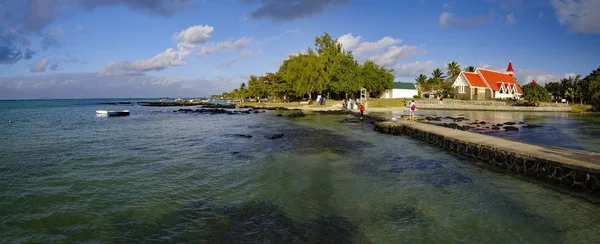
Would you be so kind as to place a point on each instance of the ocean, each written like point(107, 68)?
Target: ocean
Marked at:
point(163, 176)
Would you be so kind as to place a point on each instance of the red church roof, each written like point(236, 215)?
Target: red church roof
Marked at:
point(510, 68)
point(494, 79)
point(474, 79)
point(533, 82)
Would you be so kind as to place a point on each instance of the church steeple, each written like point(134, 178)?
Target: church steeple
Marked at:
point(510, 69)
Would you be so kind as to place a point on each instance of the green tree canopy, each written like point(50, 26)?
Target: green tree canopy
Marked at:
point(535, 93)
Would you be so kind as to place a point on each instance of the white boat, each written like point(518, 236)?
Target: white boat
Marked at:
point(112, 112)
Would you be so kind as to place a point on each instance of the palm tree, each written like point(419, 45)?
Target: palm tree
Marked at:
point(570, 92)
point(421, 81)
point(453, 70)
point(470, 69)
point(437, 79)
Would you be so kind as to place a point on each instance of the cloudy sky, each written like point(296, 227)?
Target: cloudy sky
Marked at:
point(151, 48)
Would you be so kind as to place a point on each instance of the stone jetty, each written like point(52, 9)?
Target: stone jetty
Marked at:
point(573, 168)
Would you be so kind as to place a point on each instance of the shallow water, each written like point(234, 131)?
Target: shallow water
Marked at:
point(579, 131)
point(68, 176)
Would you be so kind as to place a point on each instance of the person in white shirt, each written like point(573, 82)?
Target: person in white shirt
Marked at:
point(412, 108)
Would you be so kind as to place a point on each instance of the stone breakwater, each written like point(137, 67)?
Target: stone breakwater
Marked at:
point(489, 106)
point(578, 170)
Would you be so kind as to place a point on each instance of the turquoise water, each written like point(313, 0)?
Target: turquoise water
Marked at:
point(158, 176)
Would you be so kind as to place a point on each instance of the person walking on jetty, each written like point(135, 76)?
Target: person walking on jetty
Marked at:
point(412, 108)
point(361, 107)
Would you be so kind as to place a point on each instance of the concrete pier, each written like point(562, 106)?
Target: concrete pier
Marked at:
point(573, 168)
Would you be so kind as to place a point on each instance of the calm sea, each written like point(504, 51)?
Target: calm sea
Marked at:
point(159, 176)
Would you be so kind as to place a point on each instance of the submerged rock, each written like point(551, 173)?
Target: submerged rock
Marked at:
point(242, 135)
point(510, 123)
point(495, 128)
point(297, 114)
point(511, 128)
point(530, 126)
point(351, 120)
point(279, 115)
point(275, 136)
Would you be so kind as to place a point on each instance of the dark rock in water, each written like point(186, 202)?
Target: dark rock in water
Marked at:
point(433, 118)
point(530, 126)
point(482, 123)
point(235, 153)
point(333, 112)
point(478, 125)
point(242, 135)
point(487, 127)
point(521, 122)
point(511, 128)
point(464, 127)
point(275, 136)
point(510, 123)
point(499, 125)
point(495, 128)
point(279, 115)
point(351, 120)
point(474, 123)
point(296, 114)
point(452, 126)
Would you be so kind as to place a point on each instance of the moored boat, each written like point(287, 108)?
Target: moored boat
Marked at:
point(112, 112)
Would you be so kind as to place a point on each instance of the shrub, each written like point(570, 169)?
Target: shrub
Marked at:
point(535, 93)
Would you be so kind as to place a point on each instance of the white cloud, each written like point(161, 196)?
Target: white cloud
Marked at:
point(392, 54)
point(227, 45)
point(510, 18)
point(40, 65)
point(352, 43)
point(194, 35)
point(413, 69)
point(169, 57)
point(578, 15)
point(243, 54)
point(444, 17)
point(348, 41)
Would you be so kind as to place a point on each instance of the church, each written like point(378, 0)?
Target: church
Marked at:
point(484, 84)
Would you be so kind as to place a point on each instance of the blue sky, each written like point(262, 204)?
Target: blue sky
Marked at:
point(148, 48)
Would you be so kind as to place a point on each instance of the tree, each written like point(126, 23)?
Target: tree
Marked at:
point(470, 69)
point(422, 83)
point(570, 92)
point(453, 70)
point(554, 88)
point(590, 88)
point(535, 93)
point(436, 81)
point(375, 78)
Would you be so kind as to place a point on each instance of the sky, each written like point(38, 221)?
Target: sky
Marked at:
point(192, 48)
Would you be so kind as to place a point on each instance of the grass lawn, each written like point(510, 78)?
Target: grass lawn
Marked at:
point(578, 108)
point(385, 103)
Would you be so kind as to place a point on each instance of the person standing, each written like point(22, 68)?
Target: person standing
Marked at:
point(412, 107)
point(361, 107)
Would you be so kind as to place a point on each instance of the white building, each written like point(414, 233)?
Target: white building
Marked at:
point(401, 90)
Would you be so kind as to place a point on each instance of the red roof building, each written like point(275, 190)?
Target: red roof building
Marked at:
point(484, 84)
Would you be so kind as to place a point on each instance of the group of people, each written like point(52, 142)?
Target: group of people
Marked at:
point(350, 103)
